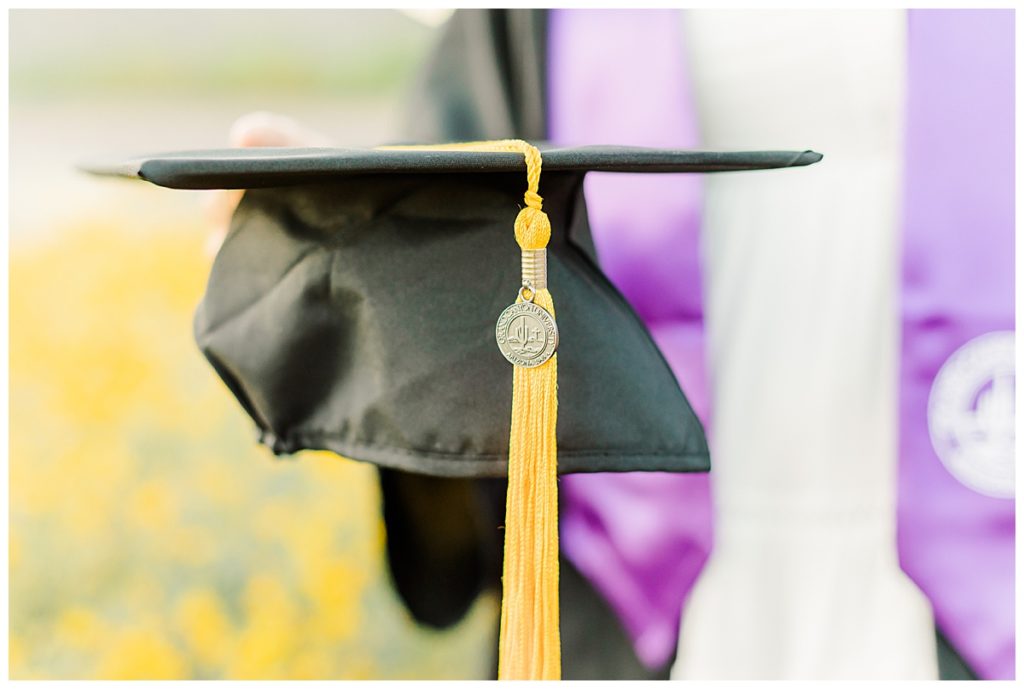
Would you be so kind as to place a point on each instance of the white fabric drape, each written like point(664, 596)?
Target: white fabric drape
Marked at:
point(801, 274)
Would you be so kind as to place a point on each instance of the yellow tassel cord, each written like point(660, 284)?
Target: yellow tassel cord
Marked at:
point(529, 646)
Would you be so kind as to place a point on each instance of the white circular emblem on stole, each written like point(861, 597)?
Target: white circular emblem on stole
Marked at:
point(970, 414)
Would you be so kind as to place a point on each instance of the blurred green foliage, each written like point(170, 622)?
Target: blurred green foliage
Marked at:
point(196, 53)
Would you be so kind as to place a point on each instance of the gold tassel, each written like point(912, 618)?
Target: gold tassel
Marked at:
point(529, 645)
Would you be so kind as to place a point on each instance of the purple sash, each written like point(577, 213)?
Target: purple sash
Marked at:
point(641, 539)
point(956, 540)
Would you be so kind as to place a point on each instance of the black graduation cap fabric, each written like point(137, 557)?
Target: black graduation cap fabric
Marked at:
point(352, 306)
point(350, 309)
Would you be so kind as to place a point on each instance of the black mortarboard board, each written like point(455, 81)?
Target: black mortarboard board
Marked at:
point(352, 305)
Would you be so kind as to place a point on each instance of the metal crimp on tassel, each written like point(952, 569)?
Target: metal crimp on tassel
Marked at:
point(535, 268)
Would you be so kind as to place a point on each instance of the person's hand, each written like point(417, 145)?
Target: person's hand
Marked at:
point(255, 129)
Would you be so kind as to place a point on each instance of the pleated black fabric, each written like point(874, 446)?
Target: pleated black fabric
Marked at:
point(358, 317)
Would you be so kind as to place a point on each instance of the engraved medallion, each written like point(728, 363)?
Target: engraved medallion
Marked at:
point(527, 334)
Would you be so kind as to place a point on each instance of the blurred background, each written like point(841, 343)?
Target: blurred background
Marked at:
point(150, 535)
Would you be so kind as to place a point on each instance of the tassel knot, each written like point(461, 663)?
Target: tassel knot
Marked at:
point(533, 228)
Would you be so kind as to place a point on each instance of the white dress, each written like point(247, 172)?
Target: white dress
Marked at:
point(801, 270)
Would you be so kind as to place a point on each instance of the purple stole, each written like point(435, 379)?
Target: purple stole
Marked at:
point(641, 539)
point(956, 513)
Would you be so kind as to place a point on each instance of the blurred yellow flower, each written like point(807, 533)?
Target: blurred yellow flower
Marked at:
point(202, 622)
point(150, 537)
point(334, 587)
point(312, 663)
point(140, 653)
point(218, 484)
point(16, 657)
point(152, 506)
point(81, 628)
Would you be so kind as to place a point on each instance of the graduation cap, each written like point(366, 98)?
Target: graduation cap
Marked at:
point(371, 302)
